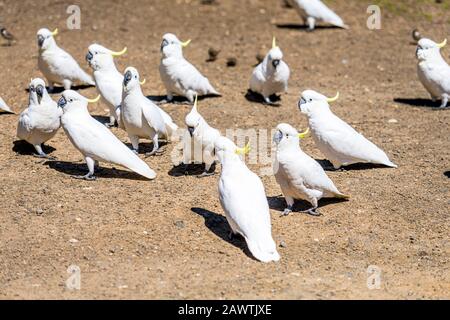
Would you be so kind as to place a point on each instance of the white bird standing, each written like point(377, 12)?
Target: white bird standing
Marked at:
point(338, 141)
point(40, 121)
point(178, 75)
point(271, 75)
point(56, 64)
point(108, 79)
point(244, 201)
point(4, 106)
point(299, 175)
point(202, 138)
point(94, 141)
point(312, 11)
point(141, 118)
point(433, 71)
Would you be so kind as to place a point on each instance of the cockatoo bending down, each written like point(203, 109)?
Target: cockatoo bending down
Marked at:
point(108, 79)
point(339, 142)
point(271, 75)
point(4, 106)
point(299, 175)
point(201, 139)
point(57, 65)
point(141, 118)
point(433, 71)
point(95, 141)
point(178, 75)
point(244, 201)
point(312, 11)
point(41, 120)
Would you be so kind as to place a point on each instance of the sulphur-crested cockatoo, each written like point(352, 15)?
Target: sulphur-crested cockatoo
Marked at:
point(108, 79)
point(433, 71)
point(244, 201)
point(312, 11)
point(338, 141)
point(4, 106)
point(179, 76)
point(94, 141)
point(299, 175)
point(141, 118)
point(57, 65)
point(271, 75)
point(200, 142)
point(41, 120)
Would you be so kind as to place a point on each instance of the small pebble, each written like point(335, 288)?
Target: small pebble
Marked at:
point(283, 244)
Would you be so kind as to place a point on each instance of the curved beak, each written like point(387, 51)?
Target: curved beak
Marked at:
point(334, 98)
point(89, 56)
point(191, 131)
point(41, 40)
point(275, 63)
point(62, 102)
point(119, 53)
point(39, 92)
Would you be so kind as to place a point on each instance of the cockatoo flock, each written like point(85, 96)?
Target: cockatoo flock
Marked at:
point(241, 191)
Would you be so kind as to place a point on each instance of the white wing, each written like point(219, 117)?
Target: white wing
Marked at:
point(4, 106)
point(63, 64)
point(258, 78)
point(317, 9)
point(189, 78)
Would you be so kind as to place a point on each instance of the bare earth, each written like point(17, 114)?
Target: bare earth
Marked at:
point(168, 238)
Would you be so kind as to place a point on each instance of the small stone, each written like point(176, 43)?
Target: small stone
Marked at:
point(283, 244)
point(39, 211)
point(73, 240)
point(180, 224)
point(392, 121)
point(231, 62)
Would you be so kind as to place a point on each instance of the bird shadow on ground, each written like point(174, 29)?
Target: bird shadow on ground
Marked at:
point(218, 225)
point(257, 98)
point(58, 90)
point(447, 174)
point(418, 102)
point(101, 119)
point(147, 147)
point(192, 169)
point(24, 148)
point(278, 203)
point(5, 113)
point(304, 27)
point(71, 168)
point(161, 99)
point(327, 166)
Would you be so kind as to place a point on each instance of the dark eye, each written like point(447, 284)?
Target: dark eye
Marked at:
point(310, 100)
point(70, 100)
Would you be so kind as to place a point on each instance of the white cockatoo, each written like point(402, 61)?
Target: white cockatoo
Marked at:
point(57, 65)
point(94, 141)
point(179, 76)
point(40, 121)
point(244, 201)
point(108, 79)
point(271, 75)
point(339, 142)
point(312, 11)
point(201, 139)
point(299, 175)
point(4, 106)
point(433, 71)
point(141, 118)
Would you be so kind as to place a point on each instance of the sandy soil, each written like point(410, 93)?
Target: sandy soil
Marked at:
point(167, 238)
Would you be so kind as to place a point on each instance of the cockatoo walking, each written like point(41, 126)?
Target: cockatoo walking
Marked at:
point(94, 140)
point(312, 11)
point(4, 106)
point(202, 138)
point(178, 75)
point(108, 79)
point(41, 120)
point(141, 118)
point(337, 140)
point(433, 71)
point(299, 175)
point(271, 75)
point(56, 64)
point(244, 201)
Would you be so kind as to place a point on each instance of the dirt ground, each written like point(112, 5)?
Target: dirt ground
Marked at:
point(167, 238)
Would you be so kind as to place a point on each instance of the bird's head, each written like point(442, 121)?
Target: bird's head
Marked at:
point(275, 56)
point(131, 79)
point(193, 119)
point(287, 136)
point(428, 49)
point(71, 101)
point(45, 38)
point(171, 46)
point(100, 57)
point(37, 91)
point(312, 101)
point(225, 149)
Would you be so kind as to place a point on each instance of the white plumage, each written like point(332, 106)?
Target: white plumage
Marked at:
point(57, 65)
point(244, 202)
point(4, 106)
point(433, 71)
point(299, 175)
point(271, 75)
point(40, 121)
point(94, 140)
point(141, 117)
point(179, 76)
point(108, 79)
point(312, 11)
point(338, 141)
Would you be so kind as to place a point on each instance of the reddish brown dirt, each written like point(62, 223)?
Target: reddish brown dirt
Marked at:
point(140, 239)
